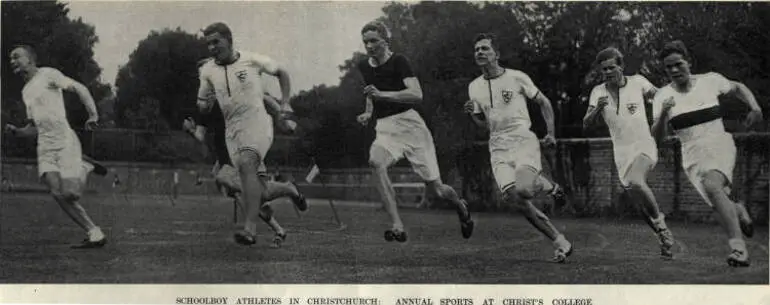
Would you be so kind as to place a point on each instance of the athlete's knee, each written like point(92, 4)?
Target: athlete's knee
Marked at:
point(378, 162)
point(379, 167)
point(713, 183)
point(248, 161)
point(438, 189)
point(525, 192)
point(228, 183)
point(379, 158)
point(527, 179)
point(266, 212)
point(539, 214)
point(57, 193)
point(71, 195)
point(635, 184)
point(55, 189)
point(511, 196)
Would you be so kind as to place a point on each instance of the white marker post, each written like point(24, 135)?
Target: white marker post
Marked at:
point(314, 172)
point(175, 188)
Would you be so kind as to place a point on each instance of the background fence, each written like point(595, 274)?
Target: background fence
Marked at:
point(584, 167)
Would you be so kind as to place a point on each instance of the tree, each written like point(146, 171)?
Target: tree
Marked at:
point(59, 42)
point(162, 69)
point(555, 44)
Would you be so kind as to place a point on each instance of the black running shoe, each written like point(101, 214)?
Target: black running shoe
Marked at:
point(245, 238)
point(466, 222)
point(300, 201)
point(88, 244)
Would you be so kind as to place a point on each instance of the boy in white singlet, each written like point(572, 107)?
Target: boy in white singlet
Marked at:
point(234, 77)
point(621, 100)
point(498, 100)
point(226, 175)
point(690, 106)
point(60, 160)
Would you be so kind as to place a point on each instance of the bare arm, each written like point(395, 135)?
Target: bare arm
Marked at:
point(369, 105)
point(85, 97)
point(272, 67)
point(196, 130)
point(285, 82)
point(547, 111)
point(596, 103)
point(660, 126)
point(364, 117)
point(205, 96)
point(200, 133)
point(61, 81)
point(479, 119)
point(650, 93)
point(28, 131)
point(411, 95)
point(741, 92)
point(473, 109)
point(272, 106)
point(591, 115)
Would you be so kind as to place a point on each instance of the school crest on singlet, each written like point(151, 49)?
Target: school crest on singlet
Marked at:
point(507, 96)
point(242, 75)
point(632, 108)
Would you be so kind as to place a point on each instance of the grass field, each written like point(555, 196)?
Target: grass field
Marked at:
point(153, 241)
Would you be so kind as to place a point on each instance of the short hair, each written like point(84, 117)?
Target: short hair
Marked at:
point(221, 28)
point(27, 48)
point(609, 53)
point(489, 36)
point(674, 47)
point(378, 27)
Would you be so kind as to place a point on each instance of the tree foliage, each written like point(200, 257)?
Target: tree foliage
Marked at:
point(60, 42)
point(157, 88)
point(555, 43)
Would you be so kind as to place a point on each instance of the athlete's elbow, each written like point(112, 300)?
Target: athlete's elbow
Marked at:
point(283, 75)
point(81, 90)
point(417, 95)
point(658, 133)
point(738, 87)
point(586, 125)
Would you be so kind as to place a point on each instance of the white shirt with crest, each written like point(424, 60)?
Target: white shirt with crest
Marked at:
point(238, 86)
point(44, 100)
point(626, 117)
point(503, 101)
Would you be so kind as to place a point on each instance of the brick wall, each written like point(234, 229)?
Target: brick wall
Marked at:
point(585, 168)
point(599, 191)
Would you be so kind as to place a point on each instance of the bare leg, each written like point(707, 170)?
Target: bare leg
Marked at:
point(714, 184)
point(521, 197)
point(253, 189)
point(642, 194)
point(446, 192)
point(68, 201)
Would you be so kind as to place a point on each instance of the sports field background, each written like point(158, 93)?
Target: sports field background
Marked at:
point(189, 240)
point(167, 224)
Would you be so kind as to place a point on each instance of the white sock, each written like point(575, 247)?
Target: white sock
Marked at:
point(561, 242)
point(95, 234)
point(737, 244)
point(660, 222)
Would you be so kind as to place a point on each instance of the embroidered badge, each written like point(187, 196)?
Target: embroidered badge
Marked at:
point(507, 96)
point(632, 108)
point(242, 75)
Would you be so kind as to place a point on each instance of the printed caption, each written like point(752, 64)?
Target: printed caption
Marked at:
point(250, 300)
